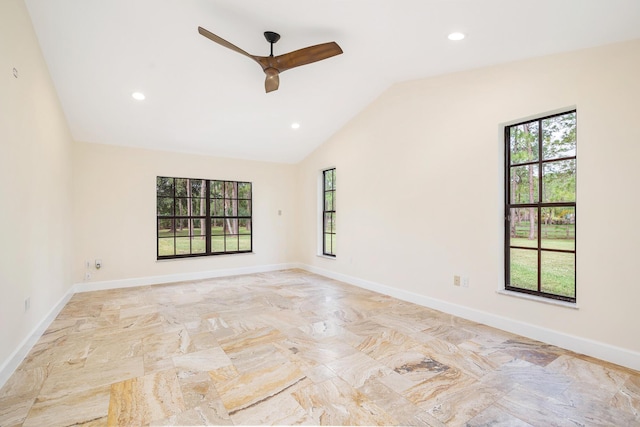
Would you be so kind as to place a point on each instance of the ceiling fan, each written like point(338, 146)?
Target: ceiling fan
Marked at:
point(274, 65)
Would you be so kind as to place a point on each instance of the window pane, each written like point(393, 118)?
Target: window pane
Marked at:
point(244, 208)
point(524, 184)
point(217, 189)
point(217, 243)
point(329, 179)
point(524, 269)
point(182, 227)
point(244, 242)
point(559, 228)
point(559, 181)
point(165, 246)
point(217, 227)
point(165, 228)
point(197, 226)
point(230, 226)
point(559, 136)
point(231, 243)
point(328, 201)
point(329, 222)
point(217, 207)
point(244, 226)
point(165, 206)
point(231, 190)
point(523, 143)
point(524, 227)
point(231, 207)
point(183, 245)
point(558, 273)
point(198, 245)
point(181, 186)
point(182, 207)
point(329, 244)
point(198, 207)
point(244, 190)
point(164, 186)
point(197, 187)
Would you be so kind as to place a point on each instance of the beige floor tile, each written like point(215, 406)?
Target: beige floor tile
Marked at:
point(290, 347)
point(69, 409)
point(264, 384)
point(334, 402)
point(141, 400)
point(357, 368)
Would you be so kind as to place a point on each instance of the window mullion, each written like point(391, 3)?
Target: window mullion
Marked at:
point(538, 209)
point(207, 218)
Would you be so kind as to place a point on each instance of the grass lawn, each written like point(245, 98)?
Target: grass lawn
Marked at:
point(183, 244)
point(558, 268)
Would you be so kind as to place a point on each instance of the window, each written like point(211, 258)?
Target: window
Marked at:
point(199, 217)
point(540, 207)
point(329, 212)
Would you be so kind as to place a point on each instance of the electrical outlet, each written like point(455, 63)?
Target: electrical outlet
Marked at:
point(87, 276)
point(465, 282)
point(456, 280)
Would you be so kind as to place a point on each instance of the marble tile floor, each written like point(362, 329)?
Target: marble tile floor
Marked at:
point(290, 347)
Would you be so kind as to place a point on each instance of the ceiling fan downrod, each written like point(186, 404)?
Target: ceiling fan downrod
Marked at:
point(271, 38)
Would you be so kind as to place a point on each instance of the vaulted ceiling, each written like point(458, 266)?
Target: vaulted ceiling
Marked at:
point(203, 98)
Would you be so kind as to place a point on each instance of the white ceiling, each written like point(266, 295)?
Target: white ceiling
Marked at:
point(203, 98)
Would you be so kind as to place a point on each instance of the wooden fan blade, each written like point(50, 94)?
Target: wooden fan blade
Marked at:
point(272, 81)
point(307, 55)
point(223, 42)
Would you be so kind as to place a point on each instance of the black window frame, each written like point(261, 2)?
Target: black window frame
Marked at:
point(539, 205)
point(329, 211)
point(233, 207)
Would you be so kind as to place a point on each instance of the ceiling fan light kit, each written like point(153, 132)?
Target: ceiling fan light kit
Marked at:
point(274, 65)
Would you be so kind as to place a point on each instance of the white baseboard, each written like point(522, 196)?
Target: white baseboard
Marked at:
point(599, 350)
point(14, 360)
point(617, 355)
point(172, 278)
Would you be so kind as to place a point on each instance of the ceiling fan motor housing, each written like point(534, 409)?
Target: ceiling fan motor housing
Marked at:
point(271, 36)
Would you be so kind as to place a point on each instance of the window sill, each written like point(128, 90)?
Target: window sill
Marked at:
point(325, 256)
point(565, 304)
point(210, 256)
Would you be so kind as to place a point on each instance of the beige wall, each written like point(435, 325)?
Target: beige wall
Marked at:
point(115, 211)
point(35, 184)
point(420, 173)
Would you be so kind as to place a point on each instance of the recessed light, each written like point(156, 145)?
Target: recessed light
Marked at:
point(138, 96)
point(455, 36)
point(295, 125)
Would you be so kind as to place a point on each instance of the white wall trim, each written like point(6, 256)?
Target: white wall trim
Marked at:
point(181, 277)
point(600, 350)
point(13, 361)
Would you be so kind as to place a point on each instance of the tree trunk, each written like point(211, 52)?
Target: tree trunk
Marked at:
point(532, 211)
point(180, 213)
